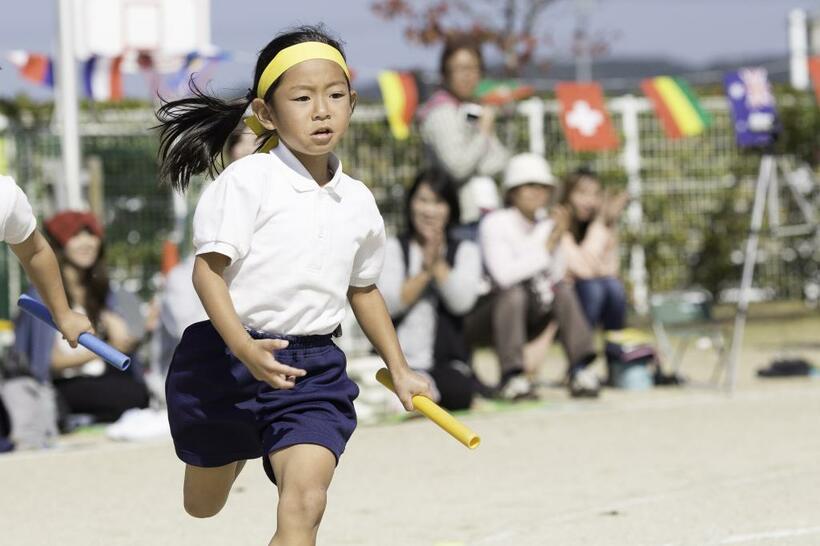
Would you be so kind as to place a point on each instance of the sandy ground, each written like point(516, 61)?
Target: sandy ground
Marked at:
point(670, 466)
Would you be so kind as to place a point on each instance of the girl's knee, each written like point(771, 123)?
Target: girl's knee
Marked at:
point(199, 507)
point(306, 503)
point(205, 490)
point(513, 297)
point(615, 291)
point(591, 289)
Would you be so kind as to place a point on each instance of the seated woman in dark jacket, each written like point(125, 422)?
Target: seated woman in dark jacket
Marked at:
point(429, 282)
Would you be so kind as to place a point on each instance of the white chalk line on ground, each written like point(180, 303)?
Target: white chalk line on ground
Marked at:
point(766, 535)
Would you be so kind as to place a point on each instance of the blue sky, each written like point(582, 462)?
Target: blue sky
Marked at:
point(696, 31)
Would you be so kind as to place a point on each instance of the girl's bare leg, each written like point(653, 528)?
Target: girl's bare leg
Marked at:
point(206, 489)
point(303, 473)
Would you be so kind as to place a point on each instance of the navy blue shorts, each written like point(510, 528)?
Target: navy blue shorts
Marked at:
point(219, 413)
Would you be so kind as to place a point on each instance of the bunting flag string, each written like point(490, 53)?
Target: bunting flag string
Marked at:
point(584, 117)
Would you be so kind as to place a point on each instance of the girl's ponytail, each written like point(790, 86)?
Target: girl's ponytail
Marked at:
point(193, 132)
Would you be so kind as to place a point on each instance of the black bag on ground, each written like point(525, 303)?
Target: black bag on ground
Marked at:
point(793, 367)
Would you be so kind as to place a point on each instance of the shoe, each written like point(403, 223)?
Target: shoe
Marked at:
point(584, 384)
point(139, 424)
point(483, 390)
point(518, 388)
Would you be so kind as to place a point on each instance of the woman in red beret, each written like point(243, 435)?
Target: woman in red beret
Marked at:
point(84, 383)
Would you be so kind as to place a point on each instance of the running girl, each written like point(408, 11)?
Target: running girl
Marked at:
point(283, 240)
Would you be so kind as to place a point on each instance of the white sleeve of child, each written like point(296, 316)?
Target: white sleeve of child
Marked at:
point(369, 260)
point(17, 221)
point(225, 217)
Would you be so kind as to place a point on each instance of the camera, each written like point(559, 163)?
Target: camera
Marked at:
point(471, 111)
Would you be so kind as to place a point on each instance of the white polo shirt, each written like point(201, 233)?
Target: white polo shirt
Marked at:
point(17, 221)
point(295, 247)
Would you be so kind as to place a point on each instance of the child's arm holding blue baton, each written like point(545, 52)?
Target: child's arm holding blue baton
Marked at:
point(91, 342)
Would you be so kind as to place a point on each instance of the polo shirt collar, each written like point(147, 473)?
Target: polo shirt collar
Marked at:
point(300, 178)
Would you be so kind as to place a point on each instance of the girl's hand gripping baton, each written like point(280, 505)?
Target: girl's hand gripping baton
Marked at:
point(38, 310)
point(435, 413)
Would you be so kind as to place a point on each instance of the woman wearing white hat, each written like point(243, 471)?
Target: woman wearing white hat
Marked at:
point(521, 250)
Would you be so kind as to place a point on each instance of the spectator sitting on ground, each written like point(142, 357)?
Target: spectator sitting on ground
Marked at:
point(591, 249)
point(460, 135)
point(84, 383)
point(520, 246)
point(429, 281)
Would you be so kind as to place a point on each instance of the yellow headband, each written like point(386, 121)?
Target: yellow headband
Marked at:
point(288, 57)
point(293, 55)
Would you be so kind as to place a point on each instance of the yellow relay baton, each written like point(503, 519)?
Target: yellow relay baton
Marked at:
point(435, 413)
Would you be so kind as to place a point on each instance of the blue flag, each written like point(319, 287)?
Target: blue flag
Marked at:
point(196, 65)
point(753, 109)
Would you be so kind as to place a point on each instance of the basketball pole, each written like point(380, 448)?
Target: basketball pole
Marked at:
point(66, 82)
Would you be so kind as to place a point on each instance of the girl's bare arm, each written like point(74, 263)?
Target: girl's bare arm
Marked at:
point(256, 354)
point(368, 306)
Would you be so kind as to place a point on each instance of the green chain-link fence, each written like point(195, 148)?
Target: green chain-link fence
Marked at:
point(695, 198)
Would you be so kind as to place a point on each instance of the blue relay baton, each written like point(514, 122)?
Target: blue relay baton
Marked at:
point(38, 310)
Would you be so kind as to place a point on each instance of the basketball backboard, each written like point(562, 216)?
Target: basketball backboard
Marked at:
point(165, 28)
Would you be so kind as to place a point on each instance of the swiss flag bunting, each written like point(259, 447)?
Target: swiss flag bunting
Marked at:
point(584, 117)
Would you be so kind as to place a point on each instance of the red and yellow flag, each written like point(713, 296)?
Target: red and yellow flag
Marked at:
point(676, 106)
point(401, 98)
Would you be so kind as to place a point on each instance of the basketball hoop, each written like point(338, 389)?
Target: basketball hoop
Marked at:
point(165, 29)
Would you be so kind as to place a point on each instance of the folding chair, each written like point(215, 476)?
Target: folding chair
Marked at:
point(687, 316)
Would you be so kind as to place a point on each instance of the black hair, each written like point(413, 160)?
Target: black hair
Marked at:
point(443, 185)
point(94, 280)
point(585, 170)
point(455, 44)
point(577, 228)
point(194, 130)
